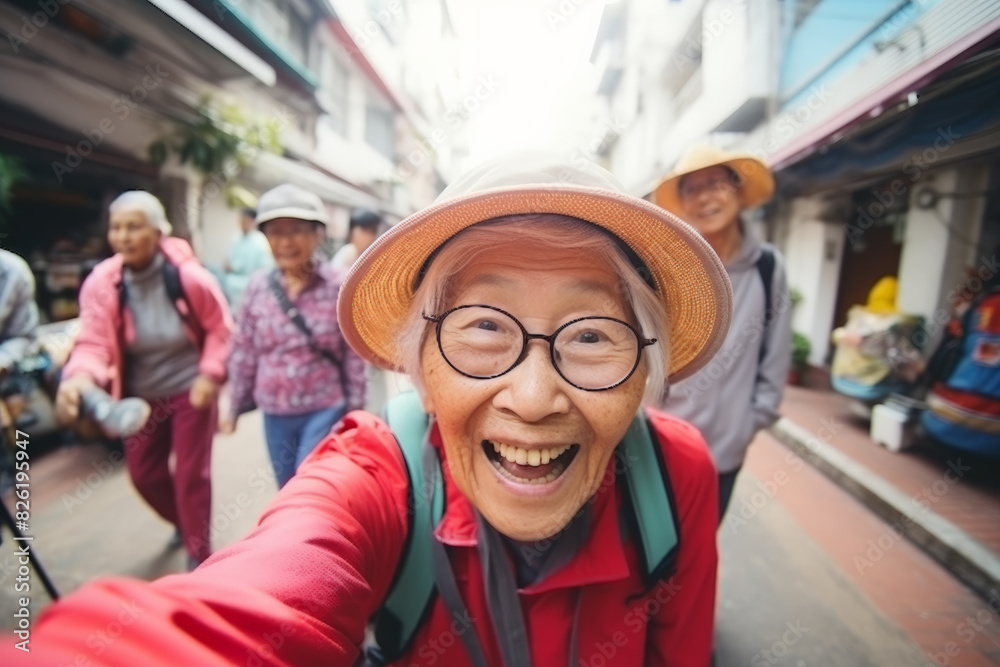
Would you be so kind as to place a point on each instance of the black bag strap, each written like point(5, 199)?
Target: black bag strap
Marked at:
point(296, 317)
point(765, 266)
point(175, 292)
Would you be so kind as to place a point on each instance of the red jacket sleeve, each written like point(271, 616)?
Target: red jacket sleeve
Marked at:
point(297, 591)
point(682, 634)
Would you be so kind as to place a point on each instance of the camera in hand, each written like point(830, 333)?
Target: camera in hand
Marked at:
point(117, 418)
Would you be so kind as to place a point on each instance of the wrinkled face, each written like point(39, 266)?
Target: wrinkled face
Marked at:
point(710, 199)
point(132, 236)
point(292, 241)
point(531, 414)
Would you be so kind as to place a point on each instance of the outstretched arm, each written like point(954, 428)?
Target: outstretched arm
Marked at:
point(298, 591)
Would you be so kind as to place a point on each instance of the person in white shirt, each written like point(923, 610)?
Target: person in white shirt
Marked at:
point(364, 229)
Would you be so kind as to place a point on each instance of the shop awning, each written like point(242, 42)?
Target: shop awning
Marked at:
point(199, 25)
point(959, 120)
point(871, 105)
point(257, 34)
point(272, 169)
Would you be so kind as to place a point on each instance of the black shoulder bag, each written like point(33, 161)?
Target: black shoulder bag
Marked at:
point(296, 317)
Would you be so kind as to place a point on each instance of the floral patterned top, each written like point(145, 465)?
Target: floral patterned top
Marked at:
point(272, 361)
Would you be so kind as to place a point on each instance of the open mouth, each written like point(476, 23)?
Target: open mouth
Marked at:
point(530, 466)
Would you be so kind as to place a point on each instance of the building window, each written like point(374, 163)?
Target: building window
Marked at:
point(333, 92)
point(380, 131)
point(282, 23)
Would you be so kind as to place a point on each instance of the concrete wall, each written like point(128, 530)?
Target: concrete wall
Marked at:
point(939, 248)
point(813, 252)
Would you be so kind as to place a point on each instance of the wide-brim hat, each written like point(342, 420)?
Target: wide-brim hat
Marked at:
point(378, 290)
point(290, 201)
point(756, 179)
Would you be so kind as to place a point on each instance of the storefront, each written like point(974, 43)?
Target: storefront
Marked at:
point(57, 219)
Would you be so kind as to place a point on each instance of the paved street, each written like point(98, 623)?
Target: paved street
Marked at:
point(87, 519)
point(792, 590)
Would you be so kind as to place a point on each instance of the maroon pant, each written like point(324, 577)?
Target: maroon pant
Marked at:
point(183, 495)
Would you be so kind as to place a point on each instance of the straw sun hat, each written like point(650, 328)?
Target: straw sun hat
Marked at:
point(756, 180)
point(378, 290)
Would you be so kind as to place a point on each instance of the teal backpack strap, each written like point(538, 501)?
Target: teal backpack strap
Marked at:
point(651, 499)
point(411, 594)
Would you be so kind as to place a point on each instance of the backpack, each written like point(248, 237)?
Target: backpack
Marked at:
point(410, 599)
point(963, 405)
point(765, 267)
point(175, 292)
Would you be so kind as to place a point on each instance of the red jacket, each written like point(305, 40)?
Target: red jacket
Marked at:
point(301, 588)
point(97, 353)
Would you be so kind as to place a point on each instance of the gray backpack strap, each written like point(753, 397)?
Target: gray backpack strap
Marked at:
point(412, 592)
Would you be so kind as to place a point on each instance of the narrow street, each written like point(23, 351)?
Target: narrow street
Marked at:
point(809, 576)
point(792, 591)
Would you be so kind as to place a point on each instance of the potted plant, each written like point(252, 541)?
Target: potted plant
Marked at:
point(801, 347)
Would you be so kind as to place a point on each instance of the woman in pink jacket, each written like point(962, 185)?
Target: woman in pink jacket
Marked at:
point(154, 324)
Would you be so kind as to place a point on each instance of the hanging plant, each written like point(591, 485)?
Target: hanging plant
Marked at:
point(218, 136)
point(10, 173)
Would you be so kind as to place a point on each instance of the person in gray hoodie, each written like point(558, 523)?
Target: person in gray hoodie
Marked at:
point(739, 391)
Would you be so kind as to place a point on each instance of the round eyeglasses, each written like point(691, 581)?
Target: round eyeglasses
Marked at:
point(591, 353)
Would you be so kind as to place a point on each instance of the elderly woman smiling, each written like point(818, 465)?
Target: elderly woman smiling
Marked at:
point(154, 324)
point(543, 517)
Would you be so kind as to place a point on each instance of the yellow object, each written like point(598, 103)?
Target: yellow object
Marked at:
point(882, 297)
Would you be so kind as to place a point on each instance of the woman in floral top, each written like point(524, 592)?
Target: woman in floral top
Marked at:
point(302, 382)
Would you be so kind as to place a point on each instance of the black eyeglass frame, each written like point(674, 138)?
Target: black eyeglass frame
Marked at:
point(642, 341)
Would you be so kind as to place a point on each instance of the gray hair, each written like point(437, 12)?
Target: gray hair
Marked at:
point(545, 230)
point(147, 204)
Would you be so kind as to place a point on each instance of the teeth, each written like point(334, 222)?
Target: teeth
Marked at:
point(558, 470)
point(531, 457)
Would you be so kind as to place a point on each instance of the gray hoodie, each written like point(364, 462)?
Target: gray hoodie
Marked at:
point(738, 392)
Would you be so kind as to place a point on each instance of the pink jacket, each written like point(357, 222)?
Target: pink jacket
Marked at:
point(105, 327)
